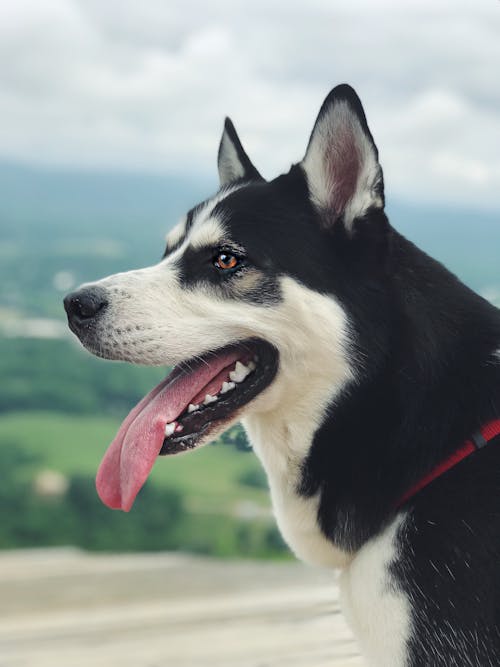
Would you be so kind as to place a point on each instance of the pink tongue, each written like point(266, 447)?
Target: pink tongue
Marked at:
point(130, 457)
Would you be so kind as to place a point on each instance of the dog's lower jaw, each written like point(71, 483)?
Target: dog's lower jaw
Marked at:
point(296, 515)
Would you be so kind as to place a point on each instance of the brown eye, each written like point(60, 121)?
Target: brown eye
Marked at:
point(225, 261)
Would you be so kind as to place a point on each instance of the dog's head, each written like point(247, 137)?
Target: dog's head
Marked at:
point(248, 302)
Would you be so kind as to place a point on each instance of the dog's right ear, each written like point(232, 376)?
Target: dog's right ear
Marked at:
point(232, 161)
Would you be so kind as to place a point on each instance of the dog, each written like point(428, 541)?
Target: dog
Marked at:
point(366, 376)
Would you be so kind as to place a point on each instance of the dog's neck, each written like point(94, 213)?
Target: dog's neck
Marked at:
point(279, 442)
point(439, 382)
point(341, 472)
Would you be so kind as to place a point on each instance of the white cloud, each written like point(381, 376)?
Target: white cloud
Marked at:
point(146, 85)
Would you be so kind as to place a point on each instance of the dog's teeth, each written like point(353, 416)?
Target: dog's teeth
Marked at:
point(227, 386)
point(209, 399)
point(241, 368)
point(251, 365)
point(192, 407)
point(170, 428)
point(179, 428)
point(240, 372)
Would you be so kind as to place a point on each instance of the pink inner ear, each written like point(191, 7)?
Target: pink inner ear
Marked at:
point(342, 168)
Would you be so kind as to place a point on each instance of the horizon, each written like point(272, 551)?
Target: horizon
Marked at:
point(209, 183)
point(116, 86)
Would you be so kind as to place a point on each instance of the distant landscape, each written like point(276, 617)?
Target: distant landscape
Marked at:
point(60, 407)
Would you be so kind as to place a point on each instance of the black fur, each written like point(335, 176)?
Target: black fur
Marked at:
point(426, 380)
point(424, 350)
point(448, 565)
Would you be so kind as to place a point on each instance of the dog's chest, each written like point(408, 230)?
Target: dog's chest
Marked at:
point(377, 610)
point(296, 515)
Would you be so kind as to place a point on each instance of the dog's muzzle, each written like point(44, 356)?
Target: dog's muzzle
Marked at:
point(83, 307)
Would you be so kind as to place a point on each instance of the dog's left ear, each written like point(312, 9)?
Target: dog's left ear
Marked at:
point(341, 162)
point(232, 161)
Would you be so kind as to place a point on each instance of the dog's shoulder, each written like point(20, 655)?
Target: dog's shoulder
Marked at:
point(447, 565)
point(423, 591)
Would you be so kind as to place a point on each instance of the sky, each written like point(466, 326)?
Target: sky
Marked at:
point(145, 85)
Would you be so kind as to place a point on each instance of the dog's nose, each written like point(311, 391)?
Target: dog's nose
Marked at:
point(84, 304)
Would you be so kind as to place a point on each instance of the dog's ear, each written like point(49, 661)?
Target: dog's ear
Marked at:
point(232, 161)
point(341, 162)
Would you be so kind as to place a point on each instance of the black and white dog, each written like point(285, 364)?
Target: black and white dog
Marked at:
point(366, 376)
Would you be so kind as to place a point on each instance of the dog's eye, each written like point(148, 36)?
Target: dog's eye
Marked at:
point(225, 261)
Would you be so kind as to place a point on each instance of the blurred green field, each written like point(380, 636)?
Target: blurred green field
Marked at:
point(208, 479)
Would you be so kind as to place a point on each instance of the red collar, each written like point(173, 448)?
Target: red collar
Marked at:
point(477, 441)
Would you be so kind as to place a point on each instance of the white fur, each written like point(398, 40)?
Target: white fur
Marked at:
point(332, 129)
point(205, 220)
point(210, 233)
point(230, 167)
point(152, 319)
point(176, 233)
point(206, 229)
point(311, 332)
point(377, 611)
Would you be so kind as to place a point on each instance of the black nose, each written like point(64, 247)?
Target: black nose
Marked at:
point(83, 305)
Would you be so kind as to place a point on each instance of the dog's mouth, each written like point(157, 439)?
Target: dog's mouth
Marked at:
point(199, 397)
